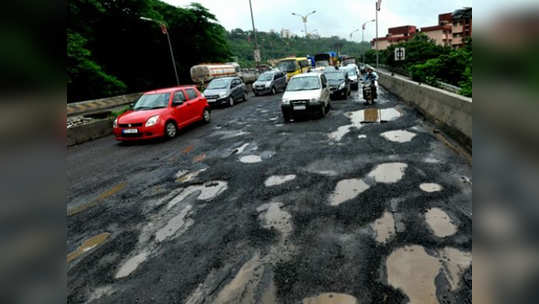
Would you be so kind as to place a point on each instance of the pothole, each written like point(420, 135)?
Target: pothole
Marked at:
point(242, 288)
point(384, 227)
point(250, 159)
point(272, 216)
point(439, 222)
point(346, 190)
point(413, 271)
point(276, 180)
point(184, 176)
point(88, 245)
point(331, 298)
point(388, 173)
point(240, 149)
point(176, 225)
point(430, 187)
point(362, 136)
point(358, 118)
point(400, 136)
point(131, 264)
point(206, 192)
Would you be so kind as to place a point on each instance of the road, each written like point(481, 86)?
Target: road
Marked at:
point(248, 209)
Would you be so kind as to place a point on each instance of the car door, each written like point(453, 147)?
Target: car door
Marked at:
point(325, 89)
point(193, 104)
point(235, 89)
point(180, 109)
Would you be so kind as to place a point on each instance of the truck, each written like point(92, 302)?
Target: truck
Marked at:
point(203, 73)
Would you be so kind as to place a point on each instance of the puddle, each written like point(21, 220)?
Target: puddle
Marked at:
point(439, 222)
point(176, 225)
point(331, 298)
point(278, 180)
point(250, 159)
point(131, 265)
point(346, 190)
point(242, 289)
point(420, 287)
point(431, 160)
point(413, 271)
point(279, 125)
point(430, 187)
point(88, 245)
point(456, 262)
point(273, 216)
point(229, 134)
point(362, 136)
point(205, 192)
point(358, 118)
point(184, 176)
point(388, 173)
point(274, 118)
point(384, 227)
point(466, 180)
point(400, 136)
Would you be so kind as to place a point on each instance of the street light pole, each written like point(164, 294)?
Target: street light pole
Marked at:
point(378, 4)
point(165, 31)
point(256, 52)
point(304, 19)
point(363, 35)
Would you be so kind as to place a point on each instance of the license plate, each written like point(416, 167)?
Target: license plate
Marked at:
point(130, 131)
point(212, 100)
point(300, 107)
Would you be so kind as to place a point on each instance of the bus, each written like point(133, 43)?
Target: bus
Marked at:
point(293, 66)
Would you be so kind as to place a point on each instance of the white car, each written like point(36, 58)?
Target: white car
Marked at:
point(306, 94)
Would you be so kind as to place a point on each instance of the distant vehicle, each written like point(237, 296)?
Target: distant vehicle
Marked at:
point(270, 82)
point(346, 60)
point(204, 73)
point(353, 75)
point(305, 93)
point(161, 113)
point(293, 66)
point(322, 60)
point(225, 91)
point(339, 83)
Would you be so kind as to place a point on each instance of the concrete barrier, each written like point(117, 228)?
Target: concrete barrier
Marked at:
point(450, 112)
point(92, 106)
point(93, 130)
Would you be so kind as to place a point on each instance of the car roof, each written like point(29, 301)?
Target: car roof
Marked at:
point(310, 74)
point(229, 77)
point(170, 90)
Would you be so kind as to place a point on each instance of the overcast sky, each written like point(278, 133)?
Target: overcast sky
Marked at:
point(331, 17)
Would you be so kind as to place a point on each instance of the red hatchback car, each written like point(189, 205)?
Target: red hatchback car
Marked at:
point(161, 113)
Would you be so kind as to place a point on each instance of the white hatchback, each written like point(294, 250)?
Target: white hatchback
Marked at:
point(305, 93)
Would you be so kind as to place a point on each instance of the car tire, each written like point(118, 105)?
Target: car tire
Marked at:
point(244, 96)
point(206, 116)
point(322, 113)
point(273, 91)
point(170, 130)
point(230, 101)
point(286, 118)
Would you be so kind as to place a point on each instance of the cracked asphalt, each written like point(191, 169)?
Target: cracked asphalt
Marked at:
point(248, 209)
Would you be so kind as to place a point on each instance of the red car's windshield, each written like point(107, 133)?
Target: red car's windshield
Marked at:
point(152, 101)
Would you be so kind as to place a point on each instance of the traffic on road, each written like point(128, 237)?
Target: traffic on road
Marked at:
point(311, 195)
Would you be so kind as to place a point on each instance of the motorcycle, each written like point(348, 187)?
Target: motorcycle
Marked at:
point(369, 91)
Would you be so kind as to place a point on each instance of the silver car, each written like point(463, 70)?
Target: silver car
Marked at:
point(225, 91)
point(270, 82)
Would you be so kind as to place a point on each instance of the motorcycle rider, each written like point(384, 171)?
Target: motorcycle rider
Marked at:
point(372, 76)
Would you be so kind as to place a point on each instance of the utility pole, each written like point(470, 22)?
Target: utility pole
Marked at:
point(165, 31)
point(256, 54)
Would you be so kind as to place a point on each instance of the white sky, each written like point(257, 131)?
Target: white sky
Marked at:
point(332, 17)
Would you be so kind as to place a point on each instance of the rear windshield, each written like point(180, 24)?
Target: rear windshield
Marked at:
point(303, 84)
